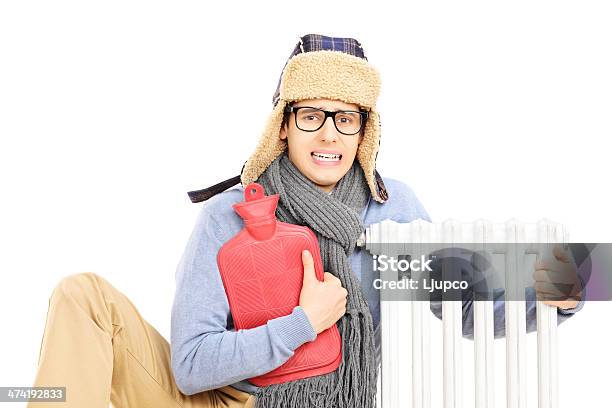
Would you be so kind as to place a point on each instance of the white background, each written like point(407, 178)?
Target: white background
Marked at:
point(111, 111)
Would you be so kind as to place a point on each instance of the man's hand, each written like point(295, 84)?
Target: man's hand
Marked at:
point(556, 280)
point(323, 302)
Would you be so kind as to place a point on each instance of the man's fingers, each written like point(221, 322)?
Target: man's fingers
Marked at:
point(559, 257)
point(568, 290)
point(546, 265)
point(553, 291)
point(563, 304)
point(330, 278)
point(556, 277)
point(546, 288)
point(309, 271)
point(308, 262)
point(561, 254)
point(553, 276)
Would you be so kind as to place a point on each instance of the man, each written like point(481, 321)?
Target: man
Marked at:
point(318, 152)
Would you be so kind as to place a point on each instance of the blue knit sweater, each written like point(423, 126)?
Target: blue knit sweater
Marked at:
point(207, 352)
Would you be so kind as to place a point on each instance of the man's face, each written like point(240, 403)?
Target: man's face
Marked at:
point(303, 146)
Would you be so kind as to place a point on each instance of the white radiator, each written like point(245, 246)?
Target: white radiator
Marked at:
point(406, 371)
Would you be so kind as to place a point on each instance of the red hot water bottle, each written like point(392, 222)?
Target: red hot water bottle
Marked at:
point(262, 272)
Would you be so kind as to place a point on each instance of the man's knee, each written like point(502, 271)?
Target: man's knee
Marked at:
point(78, 285)
point(85, 293)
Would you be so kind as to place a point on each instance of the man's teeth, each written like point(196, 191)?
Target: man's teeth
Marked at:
point(326, 156)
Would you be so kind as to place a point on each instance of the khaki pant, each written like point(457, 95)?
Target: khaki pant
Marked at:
point(98, 346)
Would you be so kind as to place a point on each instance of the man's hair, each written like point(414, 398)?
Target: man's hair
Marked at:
point(286, 116)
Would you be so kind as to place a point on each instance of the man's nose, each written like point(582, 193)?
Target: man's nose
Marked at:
point(328, 132)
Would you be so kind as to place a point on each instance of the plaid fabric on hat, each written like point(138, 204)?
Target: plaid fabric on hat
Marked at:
point(317, 42)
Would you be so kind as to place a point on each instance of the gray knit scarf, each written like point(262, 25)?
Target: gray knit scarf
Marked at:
point(336, 221)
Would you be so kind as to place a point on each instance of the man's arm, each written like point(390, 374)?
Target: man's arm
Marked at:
point(205, 354)
point(407, 207)
point(499, 310)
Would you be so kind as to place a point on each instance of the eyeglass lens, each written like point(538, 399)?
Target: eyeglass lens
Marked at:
point(311, 119)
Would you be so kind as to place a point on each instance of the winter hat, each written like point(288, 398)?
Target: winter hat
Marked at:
point(319, 67)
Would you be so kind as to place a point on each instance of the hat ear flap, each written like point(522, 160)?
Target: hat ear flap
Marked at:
point(269, 147)
point(367, 153)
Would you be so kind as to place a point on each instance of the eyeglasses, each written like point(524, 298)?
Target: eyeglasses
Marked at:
point(311, 119)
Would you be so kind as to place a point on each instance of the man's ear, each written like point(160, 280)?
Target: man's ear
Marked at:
point(282, 134)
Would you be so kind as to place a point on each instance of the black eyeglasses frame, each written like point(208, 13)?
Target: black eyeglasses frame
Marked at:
point(328, 114)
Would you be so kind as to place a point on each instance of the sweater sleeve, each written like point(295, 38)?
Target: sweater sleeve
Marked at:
point(205, 353)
